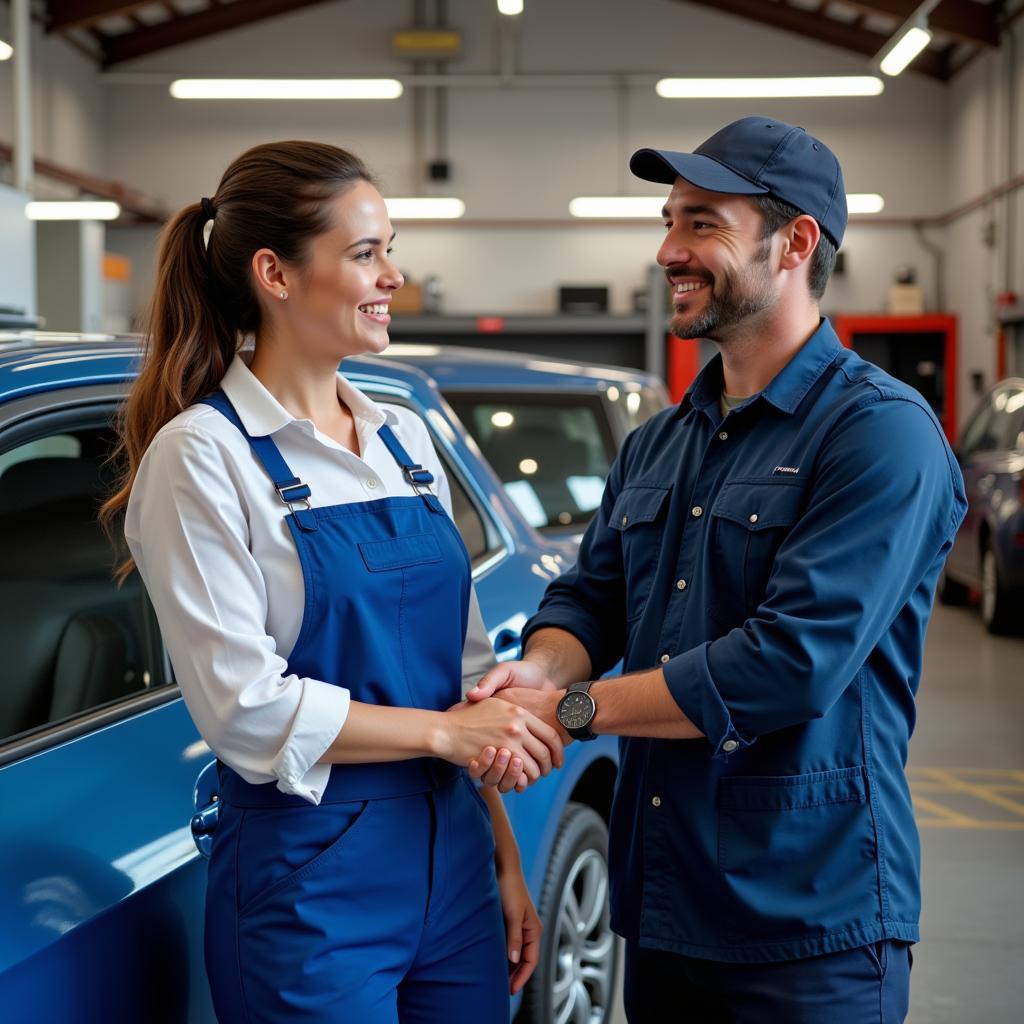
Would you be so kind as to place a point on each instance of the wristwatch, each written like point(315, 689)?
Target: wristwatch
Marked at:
point(576, 711)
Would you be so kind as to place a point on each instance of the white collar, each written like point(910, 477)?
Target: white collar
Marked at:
point(262, 414)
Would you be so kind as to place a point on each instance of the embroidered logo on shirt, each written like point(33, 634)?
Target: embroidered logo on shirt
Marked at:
point(786, 469)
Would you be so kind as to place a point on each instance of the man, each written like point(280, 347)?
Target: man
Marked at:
point(763, 561)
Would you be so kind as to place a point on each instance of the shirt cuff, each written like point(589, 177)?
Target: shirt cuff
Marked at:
point(689, 681)
point(321, 714)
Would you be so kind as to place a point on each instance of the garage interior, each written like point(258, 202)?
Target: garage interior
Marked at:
point(510, 123)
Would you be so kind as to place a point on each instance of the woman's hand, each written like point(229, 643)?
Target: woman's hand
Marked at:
point(522, 926)
point(467, 729)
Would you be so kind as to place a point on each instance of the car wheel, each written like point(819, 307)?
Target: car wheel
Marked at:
point(951, 592)
point(575, 979)
point(999, 605)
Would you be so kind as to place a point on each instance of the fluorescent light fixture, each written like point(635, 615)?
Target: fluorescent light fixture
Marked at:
point(73, 211)
point(286, 88)
point(651, 206)
point(617, 206)
point(510, 7)
point(764, 88)
point(6, 50)
point(905, 49)
point(425, 208)
point(864, 202)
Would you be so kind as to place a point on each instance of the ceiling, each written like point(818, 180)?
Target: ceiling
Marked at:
point(114, 32)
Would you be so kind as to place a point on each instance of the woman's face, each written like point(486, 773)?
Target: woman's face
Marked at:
point(338, 301)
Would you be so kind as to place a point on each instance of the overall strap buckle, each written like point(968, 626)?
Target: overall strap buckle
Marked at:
point(418, 478)
point(294, 493)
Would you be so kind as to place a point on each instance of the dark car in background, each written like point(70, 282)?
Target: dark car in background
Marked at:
point(988, 554)
point(550, 429)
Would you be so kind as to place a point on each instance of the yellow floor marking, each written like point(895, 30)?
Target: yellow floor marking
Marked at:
point(945, 815)
point(981, 792)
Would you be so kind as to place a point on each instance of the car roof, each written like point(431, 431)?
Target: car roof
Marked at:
point(37, 361)
point(465, 368)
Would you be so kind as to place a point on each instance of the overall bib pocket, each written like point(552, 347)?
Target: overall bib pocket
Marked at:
point(750, 520)
point(638, 517)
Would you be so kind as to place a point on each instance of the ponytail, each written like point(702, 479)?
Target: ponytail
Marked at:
point(274, 196)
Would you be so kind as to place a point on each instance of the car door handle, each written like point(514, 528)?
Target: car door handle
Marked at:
point(204, 822)
point(507, 645)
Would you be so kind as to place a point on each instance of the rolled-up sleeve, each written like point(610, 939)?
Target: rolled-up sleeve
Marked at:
point(884, 506)
point(187, 531)
point(589, 600)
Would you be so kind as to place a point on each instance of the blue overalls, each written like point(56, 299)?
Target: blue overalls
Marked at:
point(379, 905)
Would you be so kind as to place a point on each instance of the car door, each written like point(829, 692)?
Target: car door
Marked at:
point(101, 887)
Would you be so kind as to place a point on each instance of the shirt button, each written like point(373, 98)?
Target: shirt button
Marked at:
point(371, 483)
point(680, 584)
point(664, 659)
point(729, 746)
point(625, 519)
point(723, 436)
point(656, 801)
point(696, 511)
point(753, 517)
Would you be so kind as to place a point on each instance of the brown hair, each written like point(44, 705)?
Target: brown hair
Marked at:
point(273, 196)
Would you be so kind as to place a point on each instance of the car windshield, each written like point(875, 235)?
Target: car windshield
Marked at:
point(551, 451)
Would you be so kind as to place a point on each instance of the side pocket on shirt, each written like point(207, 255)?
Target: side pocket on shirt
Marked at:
point(798, 851)
point(638, 517)
point(750, 519)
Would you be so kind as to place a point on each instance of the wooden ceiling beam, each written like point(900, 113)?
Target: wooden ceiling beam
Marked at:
point(189, 27)
point(823, 29)
point(65, 14)
point(967, 21)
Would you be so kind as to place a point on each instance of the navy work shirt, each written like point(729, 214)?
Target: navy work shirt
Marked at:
point(779, 564)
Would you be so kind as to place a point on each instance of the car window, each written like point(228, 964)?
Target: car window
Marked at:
point(72, 640)
point(978, 435)
point(551, 451)
point(641, 405)
point(1009, 419)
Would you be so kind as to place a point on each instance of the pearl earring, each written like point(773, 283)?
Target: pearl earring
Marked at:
point(284, 295)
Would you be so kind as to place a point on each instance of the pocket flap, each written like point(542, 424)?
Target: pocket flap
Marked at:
point(398, 552)
point(637, 504)
point(788, 792)
point(760, 506)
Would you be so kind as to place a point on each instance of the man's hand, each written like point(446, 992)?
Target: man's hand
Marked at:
point(493, 767)
point(523, 674)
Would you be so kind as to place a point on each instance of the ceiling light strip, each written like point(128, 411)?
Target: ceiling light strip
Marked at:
point(286, 88)
point(73, 210)
point(904, 50)
point(767, 88)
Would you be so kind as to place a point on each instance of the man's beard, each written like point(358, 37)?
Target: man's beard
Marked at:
point(731, 301)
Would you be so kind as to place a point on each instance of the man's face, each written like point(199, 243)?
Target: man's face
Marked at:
point(716, 261)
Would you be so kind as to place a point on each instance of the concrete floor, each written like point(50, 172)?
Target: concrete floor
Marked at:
point(967, 775)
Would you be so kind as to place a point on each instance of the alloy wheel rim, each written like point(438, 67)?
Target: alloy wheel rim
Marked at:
point(584, 944)
point(989, 583)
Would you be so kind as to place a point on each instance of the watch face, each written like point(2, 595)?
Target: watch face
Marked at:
point(576, 710)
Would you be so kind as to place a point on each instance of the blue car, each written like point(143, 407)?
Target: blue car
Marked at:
point(108, 793)
point(988, 554)
point(550, 429)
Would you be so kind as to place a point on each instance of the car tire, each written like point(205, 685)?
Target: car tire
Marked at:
point(579, 952)
point(1000, 606)
point(951, 592)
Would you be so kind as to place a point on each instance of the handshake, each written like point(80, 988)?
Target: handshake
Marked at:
point(506, 732)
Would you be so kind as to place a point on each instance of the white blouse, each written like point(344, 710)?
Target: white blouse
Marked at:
point(208, 534)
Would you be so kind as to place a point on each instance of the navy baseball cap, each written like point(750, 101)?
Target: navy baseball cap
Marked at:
point(759, 156)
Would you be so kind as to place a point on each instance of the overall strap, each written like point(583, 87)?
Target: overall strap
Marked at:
point(289, 487)
point(412, 471)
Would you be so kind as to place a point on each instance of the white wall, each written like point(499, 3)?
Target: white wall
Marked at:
point(67, 109)
point(525, 152)
point(976, 273)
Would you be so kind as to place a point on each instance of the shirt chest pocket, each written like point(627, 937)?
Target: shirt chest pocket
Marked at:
point(639, 517)
point(750, 519)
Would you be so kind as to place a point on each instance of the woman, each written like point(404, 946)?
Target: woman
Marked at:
point(296, 541)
